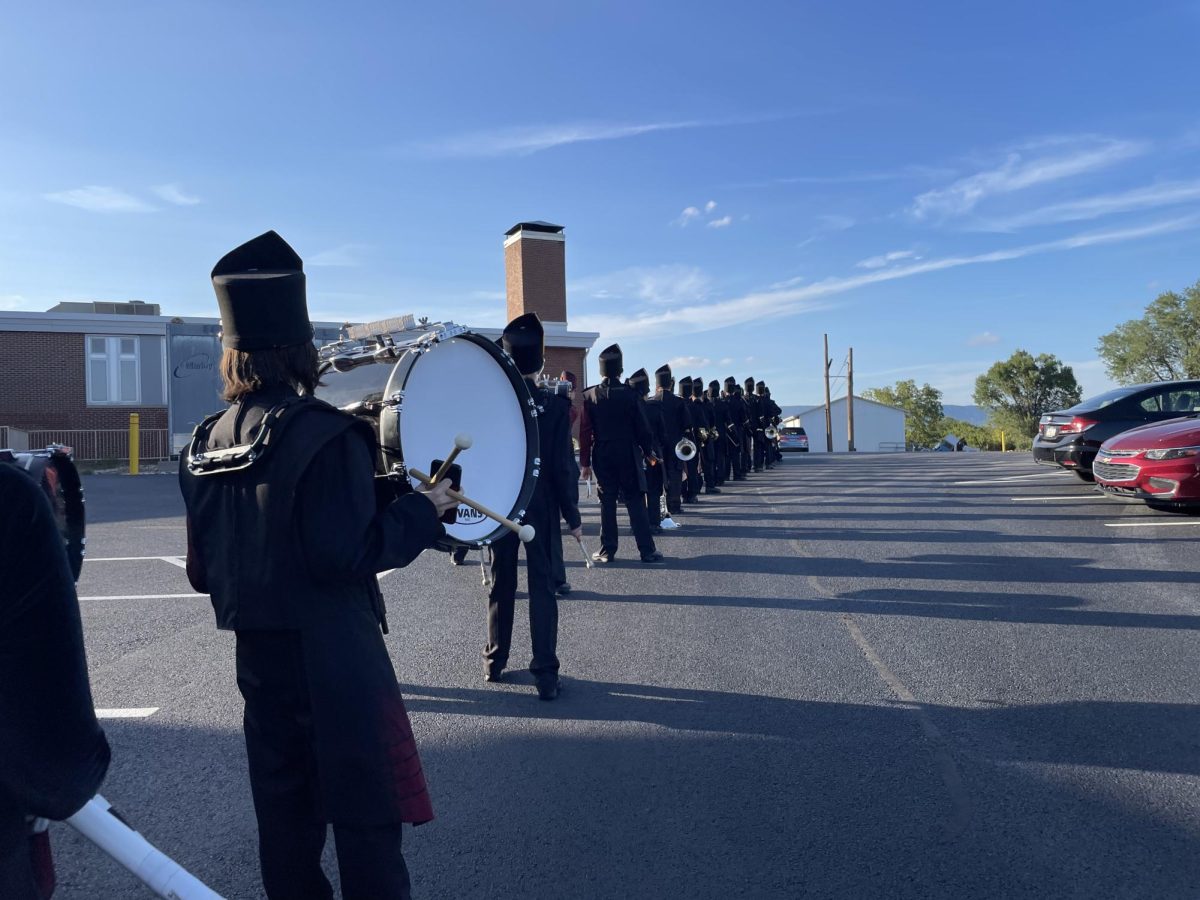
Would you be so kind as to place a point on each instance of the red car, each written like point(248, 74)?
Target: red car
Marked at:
point(1158, 463)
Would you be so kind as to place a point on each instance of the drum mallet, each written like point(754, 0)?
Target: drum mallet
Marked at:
point(587, 557)
point(524, 532)
point(100, 824)
point(462, 441)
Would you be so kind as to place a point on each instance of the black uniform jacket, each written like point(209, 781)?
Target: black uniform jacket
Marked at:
point(294, 542)
point(721, 421)
point(556, 492)
point(53, 754)
point(614, 436)
point(654, 421)
point(675, 419)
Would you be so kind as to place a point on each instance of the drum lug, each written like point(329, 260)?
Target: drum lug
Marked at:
point(396, 400)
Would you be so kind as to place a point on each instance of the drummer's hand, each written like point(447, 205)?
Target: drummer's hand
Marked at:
point(439, 495)
point(586, 473)
point(577, 533)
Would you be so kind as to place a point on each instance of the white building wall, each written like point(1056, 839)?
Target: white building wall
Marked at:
point(877, 428)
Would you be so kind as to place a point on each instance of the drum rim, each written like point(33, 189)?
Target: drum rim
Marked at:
point(398, 378)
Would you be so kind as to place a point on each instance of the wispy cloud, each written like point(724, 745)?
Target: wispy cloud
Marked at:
point(983, 339)
point(755, 307)
point(12, 301)
point(689, 362)
point(100, 198)
point(172, 193)
point(723, 222)
point(668, 285)
point(710, 206)
point(1033, 163)
point(835, 222)
point(886, 259)
point(1149, 197)
point(344, 256)
point(689, 214)
point(904, 173)
point(527, 139)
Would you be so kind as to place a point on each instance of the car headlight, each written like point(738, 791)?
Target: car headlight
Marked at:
point(1173, 453)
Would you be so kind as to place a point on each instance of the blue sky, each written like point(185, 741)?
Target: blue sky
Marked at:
point(935, 184)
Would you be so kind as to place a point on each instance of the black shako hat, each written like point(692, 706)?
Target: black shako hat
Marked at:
point(685, 388)
point(697, 386)
point(730, 382)
point(611, 362)
point(524, 340)
point(749, 382)
point(760, 388)
point(260, 292)
point(640, 381)
point(663, 378)
point(714, 387)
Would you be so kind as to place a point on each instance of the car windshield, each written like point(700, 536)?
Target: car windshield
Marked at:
point(792, 431)
point(1102, 400)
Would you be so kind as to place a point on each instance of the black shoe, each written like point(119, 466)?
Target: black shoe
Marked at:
point(656, 529)
point(547, 688)
point(604, 556)
point(712, 490)
point(493, 673)
point(652, 557)
point(563, 589)
point(459, 556)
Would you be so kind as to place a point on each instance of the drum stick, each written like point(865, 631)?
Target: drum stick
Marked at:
point(98, 822)
point(587, 557)
point(462, 441)
point(524, 532)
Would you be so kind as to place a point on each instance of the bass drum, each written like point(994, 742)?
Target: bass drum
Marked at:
point(438, 390)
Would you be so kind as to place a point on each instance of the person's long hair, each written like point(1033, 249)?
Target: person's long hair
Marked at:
point(246, 371)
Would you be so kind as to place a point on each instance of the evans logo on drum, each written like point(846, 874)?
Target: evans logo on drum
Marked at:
point(470, 516)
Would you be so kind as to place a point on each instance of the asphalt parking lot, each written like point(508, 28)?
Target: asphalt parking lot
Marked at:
point(927, 675)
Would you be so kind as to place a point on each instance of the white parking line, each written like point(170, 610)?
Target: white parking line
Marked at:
point(174, 560)
point(1066, 497)
point(133, 712)
point(144, 597)
point(1148, 524)
point(1008, 478)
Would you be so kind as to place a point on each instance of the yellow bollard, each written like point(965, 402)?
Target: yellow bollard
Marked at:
point(1003, 448)
point(134, 442)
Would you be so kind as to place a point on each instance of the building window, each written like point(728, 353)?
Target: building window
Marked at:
point(113, 370)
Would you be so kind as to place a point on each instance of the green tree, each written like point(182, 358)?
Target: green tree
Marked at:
point(981, 437)
point(1163, 345)
point(1019, 390)
point(922, 408)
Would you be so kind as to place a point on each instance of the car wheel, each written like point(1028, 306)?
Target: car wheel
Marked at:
point(1084, 476)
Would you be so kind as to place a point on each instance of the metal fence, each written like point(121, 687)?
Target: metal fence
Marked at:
point(91, 445)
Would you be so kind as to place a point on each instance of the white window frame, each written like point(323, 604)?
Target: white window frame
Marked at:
point(113, 357)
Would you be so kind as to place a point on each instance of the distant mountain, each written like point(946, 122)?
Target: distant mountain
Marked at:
point(972, 414)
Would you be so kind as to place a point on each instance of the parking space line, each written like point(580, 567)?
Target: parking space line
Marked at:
point(132, 712)
point(176, 560)
point(1148, 524)
point(1007, 478)
point(143, 597)
point(1067, 497)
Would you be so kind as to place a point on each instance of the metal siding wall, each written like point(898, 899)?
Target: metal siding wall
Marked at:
point(151, 353)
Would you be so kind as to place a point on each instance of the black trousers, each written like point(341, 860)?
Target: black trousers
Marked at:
point(654, 493)
point(558, 569)
point(639, 521)
point(283, 781)
point(760, 450)
point(673, 481)
point(720, 463)
point(691, 487)
point(543, 607)
point(708, 465)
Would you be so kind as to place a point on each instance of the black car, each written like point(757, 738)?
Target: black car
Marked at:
point(1071, 438)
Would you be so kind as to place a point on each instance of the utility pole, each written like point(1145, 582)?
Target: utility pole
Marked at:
point(850, 402)
point(828, 412)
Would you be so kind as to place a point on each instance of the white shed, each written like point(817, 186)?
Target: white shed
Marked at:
point(877, 428)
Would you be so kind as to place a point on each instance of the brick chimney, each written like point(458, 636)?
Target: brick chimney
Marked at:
point(535, 271)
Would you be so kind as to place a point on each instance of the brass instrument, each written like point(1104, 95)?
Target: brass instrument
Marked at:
point(685, 449)
point(770, 433)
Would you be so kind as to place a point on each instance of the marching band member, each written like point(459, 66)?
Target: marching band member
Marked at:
point(691, 480)
point(287, 538)
point(639, 383)
point(720, 439)
point(562, 587)
point(707, 447)
point(675, 425)
point(614, 436)
point(555, 495)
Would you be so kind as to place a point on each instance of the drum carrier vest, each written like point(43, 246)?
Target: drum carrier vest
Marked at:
point(241, 503)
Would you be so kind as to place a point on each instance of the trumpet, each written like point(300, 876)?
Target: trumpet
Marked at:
point(770, 433)
point(685, 449)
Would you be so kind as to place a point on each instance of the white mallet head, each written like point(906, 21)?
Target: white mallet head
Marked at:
point(462, 441)
point(526, 533)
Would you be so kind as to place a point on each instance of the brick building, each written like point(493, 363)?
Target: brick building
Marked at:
point(84, 367)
